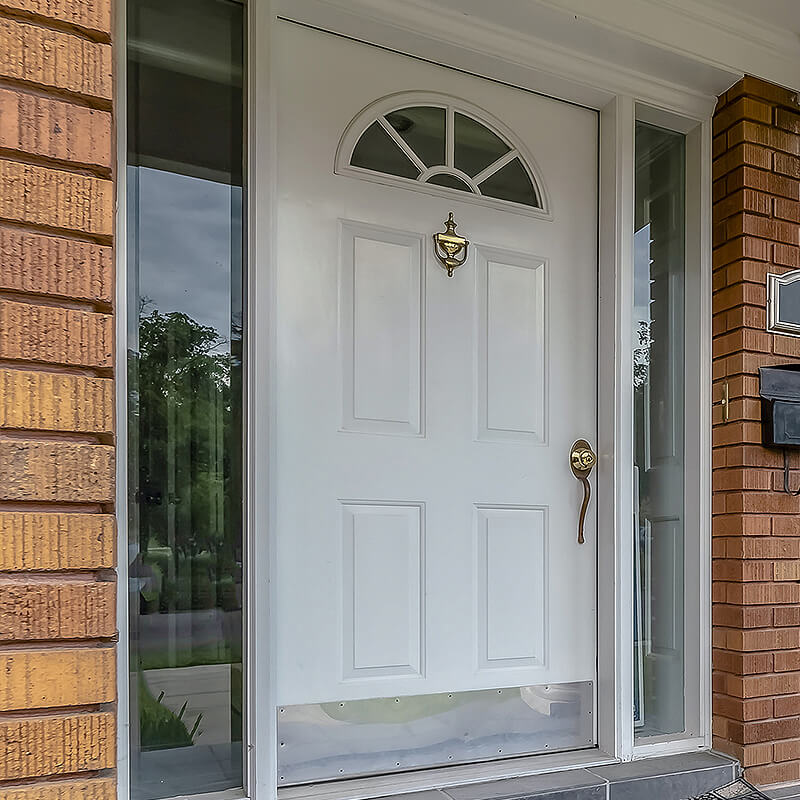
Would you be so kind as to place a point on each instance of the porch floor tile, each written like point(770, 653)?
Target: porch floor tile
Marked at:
point(669, 778)
point(784, 792)
point(577, 784)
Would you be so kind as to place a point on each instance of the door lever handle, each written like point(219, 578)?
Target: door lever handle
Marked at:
point(582, 460)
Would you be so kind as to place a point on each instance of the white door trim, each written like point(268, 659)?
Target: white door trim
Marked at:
point(615, 431)
point(618, 113)
point(260, 765)
point(558, 72)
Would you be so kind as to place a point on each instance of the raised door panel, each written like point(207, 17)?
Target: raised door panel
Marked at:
point(383, 581)
point(381, 329)
point(512, 586)
point(511, 346)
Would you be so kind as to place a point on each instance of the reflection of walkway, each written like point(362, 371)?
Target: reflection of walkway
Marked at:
point(182, 631)
point(205, 689)
point(181, 771)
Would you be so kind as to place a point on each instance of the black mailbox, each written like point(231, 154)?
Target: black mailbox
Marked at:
point(780, 405)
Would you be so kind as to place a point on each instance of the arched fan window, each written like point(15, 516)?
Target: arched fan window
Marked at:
point(441, 145)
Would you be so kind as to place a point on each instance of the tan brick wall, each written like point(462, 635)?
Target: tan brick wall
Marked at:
point(57, 538)
point(39, 745)
point(756, 528)
point(90, 789)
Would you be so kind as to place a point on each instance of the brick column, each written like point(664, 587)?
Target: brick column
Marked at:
point(57, 580)
point(756, 527)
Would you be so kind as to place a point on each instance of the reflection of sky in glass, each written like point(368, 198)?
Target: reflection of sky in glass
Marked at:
point(184, 240)
point(789, 301)
point(641, 276)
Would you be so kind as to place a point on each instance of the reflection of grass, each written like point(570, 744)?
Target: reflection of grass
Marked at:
point(159, 728)
point(191, 657)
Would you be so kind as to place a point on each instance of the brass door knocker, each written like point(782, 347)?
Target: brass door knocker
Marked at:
point(582, 461)
point(450, 248)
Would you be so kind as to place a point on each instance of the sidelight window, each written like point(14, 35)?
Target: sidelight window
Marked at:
point(659, 386)
point(185, 348)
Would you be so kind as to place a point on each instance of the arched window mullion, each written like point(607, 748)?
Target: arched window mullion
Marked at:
point(494, 166)
point(402, 144)
point(436, 135)
point(450, 132)
point(456, 173)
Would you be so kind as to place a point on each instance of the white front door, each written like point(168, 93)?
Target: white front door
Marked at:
point(426, 512)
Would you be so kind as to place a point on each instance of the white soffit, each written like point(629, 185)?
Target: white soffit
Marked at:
point(557, 23)
point(755, 37)
point(780, 14)
point(674, 54)
point(526, 43)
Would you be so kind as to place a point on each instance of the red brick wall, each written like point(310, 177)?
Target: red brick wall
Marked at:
point(756, 527)
point(57, 584)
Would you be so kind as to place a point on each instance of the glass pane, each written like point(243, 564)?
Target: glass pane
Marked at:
point(452, 181)
point(185, 340)
point(511, 182)
point(377, 151)
point(789, 302)
point(658, 380)
point(422, 127)
point(475, 146)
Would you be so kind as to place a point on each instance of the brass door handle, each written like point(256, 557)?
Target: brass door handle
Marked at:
point(582, 460)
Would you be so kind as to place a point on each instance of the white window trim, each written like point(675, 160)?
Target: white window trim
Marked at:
point(121, 399)
point(774, 323)
point(378, 110)
point(697, 439)
point(569, 77)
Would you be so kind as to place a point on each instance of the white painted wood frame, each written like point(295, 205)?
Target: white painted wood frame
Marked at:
point(620, 98)
point(121, 398)
point(697, 437)
point(618, 114)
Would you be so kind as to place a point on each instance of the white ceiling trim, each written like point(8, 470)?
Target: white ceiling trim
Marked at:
point(706, 31)
point(751, 28)
point(477, 45)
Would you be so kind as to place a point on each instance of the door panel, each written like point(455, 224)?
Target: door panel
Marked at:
point(383, 609)
point(426, 511)
point(511, 586)
point(381, 329)
point(510, 336)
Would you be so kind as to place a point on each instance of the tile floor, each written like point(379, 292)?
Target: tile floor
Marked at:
point(785, 792)
point(669, 778)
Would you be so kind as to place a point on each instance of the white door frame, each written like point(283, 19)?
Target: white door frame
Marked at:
point(620, 98)
point(620, 95)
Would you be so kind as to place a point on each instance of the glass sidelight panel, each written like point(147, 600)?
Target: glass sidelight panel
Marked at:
point(185, 343)
point(659, 425)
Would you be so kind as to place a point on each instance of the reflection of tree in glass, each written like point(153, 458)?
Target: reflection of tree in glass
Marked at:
point(187, 427)
point(190, 519)
point(641, 356)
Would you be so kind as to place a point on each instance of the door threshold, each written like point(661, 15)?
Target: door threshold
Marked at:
point(586, 775)
point(437, 778)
